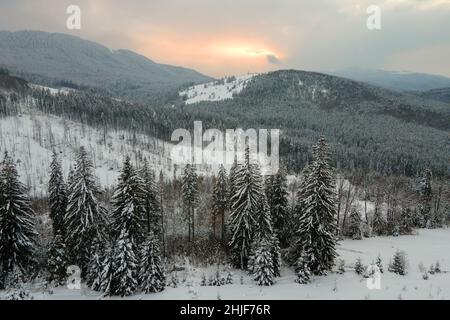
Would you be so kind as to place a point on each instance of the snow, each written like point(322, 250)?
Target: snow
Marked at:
point(216, 91)
point(52, 91)
point(425, 248)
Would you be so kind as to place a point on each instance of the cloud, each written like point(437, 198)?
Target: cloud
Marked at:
point(271, 58)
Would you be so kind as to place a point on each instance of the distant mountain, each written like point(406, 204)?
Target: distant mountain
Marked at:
point(369, 127)
point(395, 80)
point(442, 94)
point(60, 59)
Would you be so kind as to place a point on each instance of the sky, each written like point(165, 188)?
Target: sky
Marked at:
point(228, 37)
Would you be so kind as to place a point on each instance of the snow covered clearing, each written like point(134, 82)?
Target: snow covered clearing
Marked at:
point(216, 91)
point(422, 250)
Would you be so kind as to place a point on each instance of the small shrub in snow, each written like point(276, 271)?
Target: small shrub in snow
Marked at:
point(359, 267)
point(432, 270)
point(437, 268)
point(399, 263)
point(203, 283)
point(302, 270)
point(229, 279)
point(15, 287)
point(379, 264)
point(341, 266)
point(425, 276)
point(241, 280)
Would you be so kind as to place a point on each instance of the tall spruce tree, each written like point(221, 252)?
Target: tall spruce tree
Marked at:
point(190, 197)
point(128, 202)
point(426, 197)
point(57, 261)
point(277, 197)
point(221, 200)
point(379, 224)
point(152, 206)
point(262, 270)
point(86, 218)
point(316, 234)
point(355, 225)
point(249, 211)
point(152, 275)
point(57, 196)
point(17, 223)
point(124, 280)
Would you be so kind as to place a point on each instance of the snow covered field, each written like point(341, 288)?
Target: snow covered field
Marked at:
point(216, 91)
point(425, 248)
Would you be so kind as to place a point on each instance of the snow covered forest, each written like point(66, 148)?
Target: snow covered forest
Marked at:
point(92, 207)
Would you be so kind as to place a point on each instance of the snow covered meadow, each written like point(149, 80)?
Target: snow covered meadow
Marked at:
point(423, 250)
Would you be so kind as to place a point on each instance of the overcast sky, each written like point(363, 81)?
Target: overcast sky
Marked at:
point(223, 37)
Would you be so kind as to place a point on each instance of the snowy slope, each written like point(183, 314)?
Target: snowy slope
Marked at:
point(425, 248)
point(217, 90)
point(31, 137)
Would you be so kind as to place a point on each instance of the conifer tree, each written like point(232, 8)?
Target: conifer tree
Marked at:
point(341, 266)
point(399, 263)
point(190, 197)
point(406, 222)
point(379, 224)
point(95, 266)
point(302, 270)
point(86, 218)
point(57, 196)
point(359, 267)
point(104, 281)
point(316, 233)
point(354, 228)
point(426, 196)
point(379, 264)
point(277, 197)
point(249, 211)
point(17, 223)
point(221, 199)
point(262, 270)
point(153, 214)
point(152, 276)
point(125, 274)
point(128, 214)
point(57, 261)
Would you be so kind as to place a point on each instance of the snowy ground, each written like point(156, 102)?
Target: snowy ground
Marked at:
point(425, 248)
point(214, 91)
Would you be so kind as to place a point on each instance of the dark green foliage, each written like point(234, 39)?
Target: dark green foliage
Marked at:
point(57, 261)
point(152, 277)
point(57, 196)
point(17, 223)
point(190, 197)
point(262, 269)
point(399, 263)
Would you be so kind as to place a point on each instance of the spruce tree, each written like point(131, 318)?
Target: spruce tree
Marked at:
point(302, 270)
point(399, 263)
point(17, 223)
point(128, 214)
point(316, 234)
point(277, 197)
point(57, 196)
point(406, 222)
point(379, 224)
point(57, 261)
point(426, 197)
point(249, 211)
point(221, 199)
point(152, 207)
point(152, 276)
point(262, 270)
point(379, 264)
point(86, 218)
point(190, 197)
point(96, 265)
point(125, 273)
point(359, 267)
point(354, 227)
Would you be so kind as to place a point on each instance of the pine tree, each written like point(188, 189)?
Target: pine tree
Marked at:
point(57, 261)
point(17, 223)
point(359, 267)
point(275, 251)
point(221, 200)
point(124, 280)
point(15, 286)
point(229, 279)
point(354, 228)
point(277, 197)
point(190, 197)
point(341, 266)
point(153, 214)
point(399, 263)
point(302, 270)
point(249, 211)
point(57, 196)
point(262, 270)
point(95, 266)
point(152, 275)
point(406, 223)
point(203, 283)
point(86, 218)
point(104, 280)
point(426, 197)
point(379, 224)
point(437, 267)
point(128, 214)
point(316, 234)
point(379, 264)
